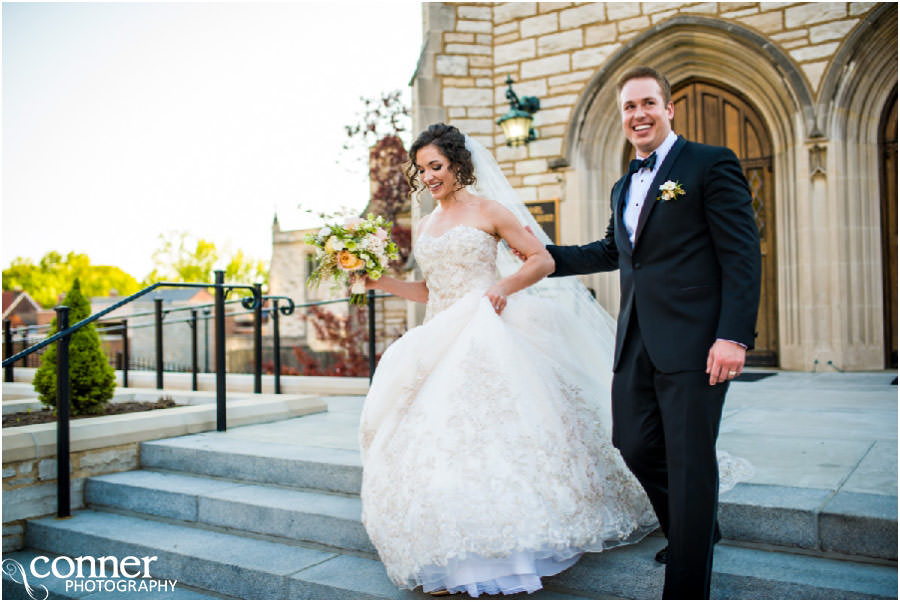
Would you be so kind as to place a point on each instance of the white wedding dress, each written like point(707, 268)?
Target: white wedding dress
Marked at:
point(485, 439)
point(486, 444)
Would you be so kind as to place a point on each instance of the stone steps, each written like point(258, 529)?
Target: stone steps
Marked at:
point(815, 520)
point(326, 469)
point(248, 567)
point(242, 518)
point(313, 516)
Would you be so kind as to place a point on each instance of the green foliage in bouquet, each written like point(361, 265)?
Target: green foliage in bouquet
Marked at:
point(358, 246)
point(93, 379)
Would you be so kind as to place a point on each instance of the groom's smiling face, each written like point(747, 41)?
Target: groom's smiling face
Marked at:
point(646, 116)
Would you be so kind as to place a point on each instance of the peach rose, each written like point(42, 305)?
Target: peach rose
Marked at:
point(350, 262)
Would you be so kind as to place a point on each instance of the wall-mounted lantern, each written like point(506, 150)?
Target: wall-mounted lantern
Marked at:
point(516, 123)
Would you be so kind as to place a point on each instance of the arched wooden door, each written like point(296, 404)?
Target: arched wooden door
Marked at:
point(889, 227)
point(711, 114)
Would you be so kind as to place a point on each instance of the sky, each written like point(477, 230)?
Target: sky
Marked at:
point(123, 121)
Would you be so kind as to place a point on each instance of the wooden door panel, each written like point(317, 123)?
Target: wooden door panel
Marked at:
point(710, 119)
point(682, 120)
point(733, 125)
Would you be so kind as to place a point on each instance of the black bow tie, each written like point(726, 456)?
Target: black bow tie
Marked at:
point(637, 164)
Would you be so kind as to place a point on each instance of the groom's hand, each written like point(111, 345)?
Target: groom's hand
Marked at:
point(516, 251)
point(725, 361)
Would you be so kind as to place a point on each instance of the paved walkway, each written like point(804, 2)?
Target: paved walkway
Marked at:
point(834, 431)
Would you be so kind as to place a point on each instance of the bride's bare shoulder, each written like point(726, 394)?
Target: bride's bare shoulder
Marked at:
point(494, 210)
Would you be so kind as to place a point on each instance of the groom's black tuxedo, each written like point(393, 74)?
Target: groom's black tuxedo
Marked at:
point(691, 277)
point(693, 273)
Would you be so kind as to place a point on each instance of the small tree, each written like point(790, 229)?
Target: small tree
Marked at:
point(93, 379)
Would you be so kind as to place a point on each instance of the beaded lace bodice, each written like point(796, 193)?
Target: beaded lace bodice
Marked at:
point(462, 259)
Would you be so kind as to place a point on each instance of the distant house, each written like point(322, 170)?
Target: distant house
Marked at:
point(24, 315)
point(177, 330)
point(20, 309)
point(142, 334)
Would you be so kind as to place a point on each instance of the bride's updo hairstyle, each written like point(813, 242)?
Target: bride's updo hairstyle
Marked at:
point(452, 144)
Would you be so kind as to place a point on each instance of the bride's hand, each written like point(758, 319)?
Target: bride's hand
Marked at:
point(497, 296)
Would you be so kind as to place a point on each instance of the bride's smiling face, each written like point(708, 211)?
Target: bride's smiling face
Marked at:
point(436, 173)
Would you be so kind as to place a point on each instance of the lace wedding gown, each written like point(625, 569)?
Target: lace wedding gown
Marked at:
point(485, 439)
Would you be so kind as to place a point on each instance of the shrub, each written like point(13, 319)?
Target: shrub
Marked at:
point(93, 379)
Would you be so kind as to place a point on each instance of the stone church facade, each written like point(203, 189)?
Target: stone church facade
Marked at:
point(292, 261)
point(804, 93)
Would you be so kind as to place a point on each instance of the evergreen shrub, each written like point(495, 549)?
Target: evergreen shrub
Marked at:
point(93, 379)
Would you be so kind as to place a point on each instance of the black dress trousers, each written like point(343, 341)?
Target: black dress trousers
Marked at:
point(665, 425)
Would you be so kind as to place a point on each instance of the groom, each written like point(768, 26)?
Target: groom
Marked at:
point(683, 237)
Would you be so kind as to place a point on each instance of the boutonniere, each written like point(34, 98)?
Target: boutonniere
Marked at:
point(670, 190)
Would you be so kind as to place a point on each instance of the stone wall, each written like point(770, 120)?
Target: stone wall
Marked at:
point(553, 49)
point(288, 273)
point(29, 486)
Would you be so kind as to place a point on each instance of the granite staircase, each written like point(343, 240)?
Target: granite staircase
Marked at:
point(264, 520)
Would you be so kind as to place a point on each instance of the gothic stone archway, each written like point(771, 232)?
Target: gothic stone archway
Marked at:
point(689, 51)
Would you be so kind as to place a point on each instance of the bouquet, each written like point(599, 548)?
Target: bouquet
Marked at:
point(349, 252)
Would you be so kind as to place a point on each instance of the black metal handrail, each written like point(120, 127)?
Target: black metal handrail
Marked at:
point(168, 310)
point(121, 325)
point(68, 331)
point(63, 381)
point(252, 304)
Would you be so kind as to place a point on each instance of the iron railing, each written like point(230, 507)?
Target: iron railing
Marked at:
point(252, 303)
point(63, 384)
point(123, 361)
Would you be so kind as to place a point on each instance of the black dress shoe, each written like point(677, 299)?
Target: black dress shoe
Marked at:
point(662, 556)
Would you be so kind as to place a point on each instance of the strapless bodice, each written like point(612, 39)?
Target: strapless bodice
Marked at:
point(462, 259)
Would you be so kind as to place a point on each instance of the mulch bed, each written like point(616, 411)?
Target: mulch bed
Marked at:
point(126, 407)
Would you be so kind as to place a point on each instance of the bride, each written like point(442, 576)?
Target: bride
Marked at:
point(485, 436)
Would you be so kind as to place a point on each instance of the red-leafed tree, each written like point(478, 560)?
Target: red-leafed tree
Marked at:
point(382, 127)
point(348, 333)
point(390, 190)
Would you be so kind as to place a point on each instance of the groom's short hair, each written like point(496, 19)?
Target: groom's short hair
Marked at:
point(646, 72)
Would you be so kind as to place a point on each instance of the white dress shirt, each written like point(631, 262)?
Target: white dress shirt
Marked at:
point(640, 186)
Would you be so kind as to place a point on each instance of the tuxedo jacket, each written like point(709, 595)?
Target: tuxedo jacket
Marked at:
point(693, 273)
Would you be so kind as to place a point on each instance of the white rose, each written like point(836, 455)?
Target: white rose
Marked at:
point(373, 243)
point(326, 231)
point(335, 244)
